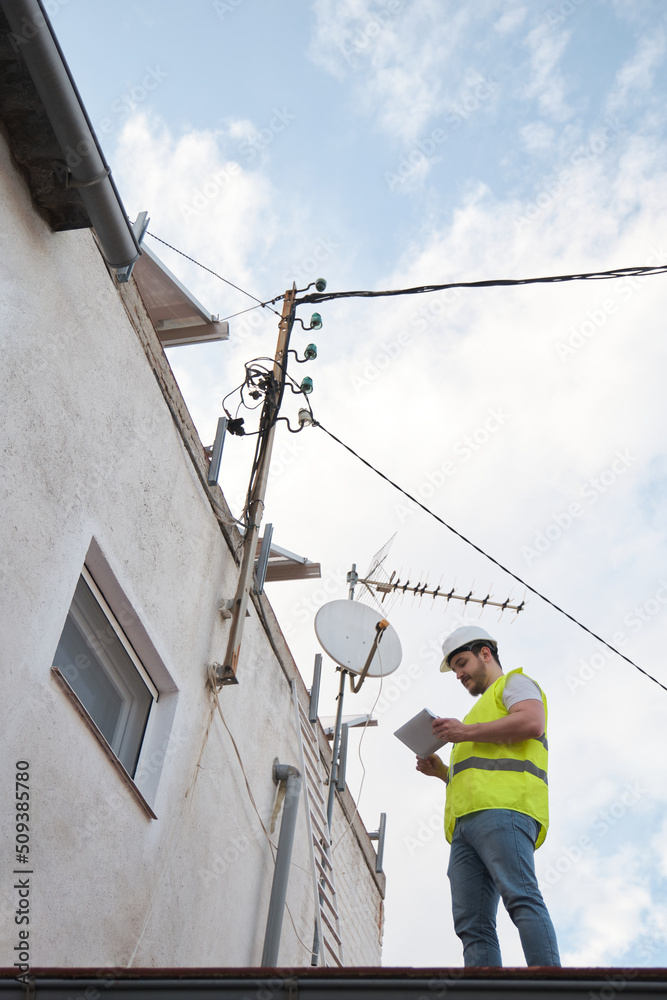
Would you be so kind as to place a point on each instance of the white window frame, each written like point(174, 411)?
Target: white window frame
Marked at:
point(110, 667)
point(157, 742)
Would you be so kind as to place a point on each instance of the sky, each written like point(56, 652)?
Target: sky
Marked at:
point(392, 144)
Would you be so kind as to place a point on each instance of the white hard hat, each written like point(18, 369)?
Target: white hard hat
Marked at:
point(463, 637)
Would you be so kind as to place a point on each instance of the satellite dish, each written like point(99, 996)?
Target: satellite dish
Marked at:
point(346, 631)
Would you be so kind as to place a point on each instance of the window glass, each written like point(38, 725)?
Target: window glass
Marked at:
point(100, 668)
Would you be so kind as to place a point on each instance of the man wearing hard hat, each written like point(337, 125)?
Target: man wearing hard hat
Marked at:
point(497, 810)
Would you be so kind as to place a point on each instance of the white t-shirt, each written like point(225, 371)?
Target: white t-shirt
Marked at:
point(520, 688)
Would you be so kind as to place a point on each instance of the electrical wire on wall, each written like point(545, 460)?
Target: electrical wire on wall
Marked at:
point(260, 386)
point(213, 687)
point(175, 837)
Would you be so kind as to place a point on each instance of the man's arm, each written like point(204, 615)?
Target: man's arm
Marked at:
point(525, 721)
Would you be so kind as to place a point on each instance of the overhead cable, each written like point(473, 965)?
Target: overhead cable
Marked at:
point(314, 297)
point(215, 275)
point(242, 312)
point(620, 272)
point(486, 555)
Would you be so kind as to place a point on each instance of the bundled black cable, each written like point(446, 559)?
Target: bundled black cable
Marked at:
point(619, 272)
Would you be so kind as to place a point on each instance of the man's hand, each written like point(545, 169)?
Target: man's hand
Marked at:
point(433, 767)
point(450, 730)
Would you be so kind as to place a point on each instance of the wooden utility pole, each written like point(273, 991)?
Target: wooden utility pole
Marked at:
point(227, 670)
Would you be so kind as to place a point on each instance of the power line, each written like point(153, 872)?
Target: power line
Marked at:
point(216, 275)
point(315, 297)
point(242, 312)
point(420, 290)
point(621, 272)
point(491, 558)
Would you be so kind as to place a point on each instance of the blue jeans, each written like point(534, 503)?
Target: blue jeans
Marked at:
point(492, 855)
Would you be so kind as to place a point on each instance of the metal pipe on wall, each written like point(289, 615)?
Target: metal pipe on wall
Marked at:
point(274, 922)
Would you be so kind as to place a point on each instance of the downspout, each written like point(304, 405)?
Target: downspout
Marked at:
point(88, 170)
point(274, 922)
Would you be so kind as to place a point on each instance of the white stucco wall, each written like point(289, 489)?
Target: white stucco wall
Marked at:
point(92, 457)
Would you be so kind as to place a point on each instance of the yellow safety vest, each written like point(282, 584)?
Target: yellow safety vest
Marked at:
point(498, 775)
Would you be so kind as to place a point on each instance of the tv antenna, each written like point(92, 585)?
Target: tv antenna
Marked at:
point(378, 582)
point(419, 589)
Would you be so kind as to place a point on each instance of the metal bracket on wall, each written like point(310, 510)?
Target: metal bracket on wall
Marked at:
point(139, 227)
point(226, 609)
point(379, 835)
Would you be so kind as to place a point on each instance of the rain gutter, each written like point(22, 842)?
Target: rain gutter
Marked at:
point(87, 169)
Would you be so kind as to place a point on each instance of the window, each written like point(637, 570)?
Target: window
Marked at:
point(100, 666)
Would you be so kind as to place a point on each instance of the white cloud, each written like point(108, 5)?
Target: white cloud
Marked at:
point(241, 128)
point(536, 136)
point(634, 79)
point(608, 902)
point(403, 59)
point(200, 192)
point(547, 85)
point(511, 19)
point(659, 846)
